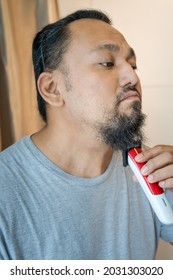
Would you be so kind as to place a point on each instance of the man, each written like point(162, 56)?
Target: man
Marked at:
point(64, 191)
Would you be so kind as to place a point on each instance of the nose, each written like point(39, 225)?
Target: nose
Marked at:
point(128, 76)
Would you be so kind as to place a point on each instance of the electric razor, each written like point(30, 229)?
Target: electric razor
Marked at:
point(153, 191)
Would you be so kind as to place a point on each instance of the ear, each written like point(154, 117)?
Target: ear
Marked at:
point(48, 88)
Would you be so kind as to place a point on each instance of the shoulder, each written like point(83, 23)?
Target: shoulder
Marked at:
point(12, 158)
point(13, 151)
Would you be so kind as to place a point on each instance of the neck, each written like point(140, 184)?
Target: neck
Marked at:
point(79, 154)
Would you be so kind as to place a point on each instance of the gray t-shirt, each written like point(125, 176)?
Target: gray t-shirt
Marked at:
point(46, 213)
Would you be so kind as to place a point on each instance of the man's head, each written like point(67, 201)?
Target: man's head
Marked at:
point(85, 66)
point(51, 43)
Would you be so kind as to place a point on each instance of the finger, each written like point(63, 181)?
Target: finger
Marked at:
point(168, 183)
point(161, 174)
point(135, 179)
point(158, 162)
point(153, 152)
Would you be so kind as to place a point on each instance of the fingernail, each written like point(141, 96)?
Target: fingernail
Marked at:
point(144, 170)
point(150, 178)
point(139, 157)
point(162, 184)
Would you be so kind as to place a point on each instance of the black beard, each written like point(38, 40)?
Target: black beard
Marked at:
point(124, 131)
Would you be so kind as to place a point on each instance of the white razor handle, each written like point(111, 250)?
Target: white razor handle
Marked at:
point(154, 193)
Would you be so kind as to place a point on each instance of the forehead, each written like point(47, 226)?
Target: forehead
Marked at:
point(92, 34)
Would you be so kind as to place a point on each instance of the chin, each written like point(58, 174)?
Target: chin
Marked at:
point(129, 109)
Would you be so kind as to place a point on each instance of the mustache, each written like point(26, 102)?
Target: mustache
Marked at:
point(129, 88)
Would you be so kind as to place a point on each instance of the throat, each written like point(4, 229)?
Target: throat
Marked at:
point(88, 166)
point(75, 157)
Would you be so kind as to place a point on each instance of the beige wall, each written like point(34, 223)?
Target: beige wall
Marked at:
point(148, 27)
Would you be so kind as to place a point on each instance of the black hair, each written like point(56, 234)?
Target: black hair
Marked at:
point(52, 42)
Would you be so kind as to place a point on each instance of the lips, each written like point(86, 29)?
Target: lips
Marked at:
point(131, 94)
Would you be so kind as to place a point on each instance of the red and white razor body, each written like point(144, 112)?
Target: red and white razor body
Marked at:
point(153, 191)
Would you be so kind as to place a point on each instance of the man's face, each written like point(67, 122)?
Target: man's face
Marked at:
point(102, 87)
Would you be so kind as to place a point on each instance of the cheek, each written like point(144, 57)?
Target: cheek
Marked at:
point(87, 108)
point(93, 94)
point(98, 90)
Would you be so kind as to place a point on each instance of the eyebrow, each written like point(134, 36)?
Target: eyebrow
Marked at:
point(115, 48)
point(109, 47)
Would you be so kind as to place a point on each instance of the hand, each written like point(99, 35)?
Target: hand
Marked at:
point(159, 165)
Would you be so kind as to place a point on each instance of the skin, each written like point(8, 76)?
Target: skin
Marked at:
point(97, 66)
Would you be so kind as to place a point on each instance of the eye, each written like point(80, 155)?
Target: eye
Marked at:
point(107, 64)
